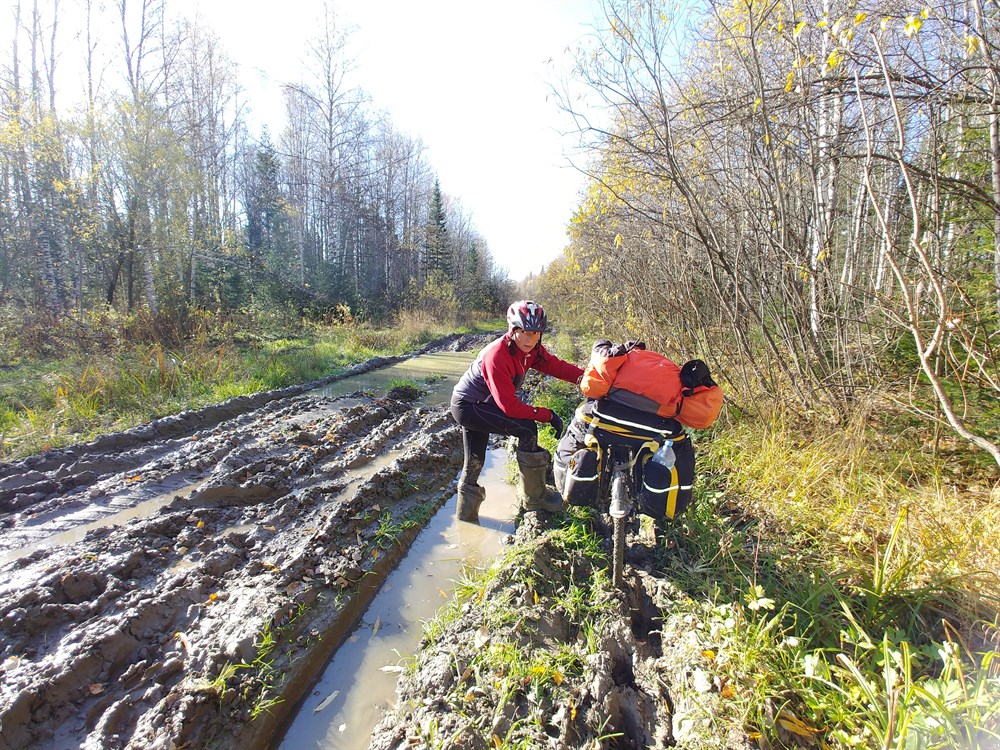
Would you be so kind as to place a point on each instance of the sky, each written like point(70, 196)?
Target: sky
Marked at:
point(471, 79)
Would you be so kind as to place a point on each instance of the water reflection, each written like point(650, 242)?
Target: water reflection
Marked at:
point(436, 373)
point(143, 509)
point(360, 681)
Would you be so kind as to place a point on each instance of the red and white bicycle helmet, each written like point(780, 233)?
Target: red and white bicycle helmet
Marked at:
point(526, 315)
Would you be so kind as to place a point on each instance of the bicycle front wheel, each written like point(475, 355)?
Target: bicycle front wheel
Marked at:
point(618, 492)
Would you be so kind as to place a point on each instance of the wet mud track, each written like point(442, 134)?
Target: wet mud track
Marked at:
point(519, 663)
point(203, 623)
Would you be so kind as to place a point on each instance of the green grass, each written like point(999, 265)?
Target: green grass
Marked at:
point(839, 610)
point(845, 585)
point(563, 576)
point(562, 398)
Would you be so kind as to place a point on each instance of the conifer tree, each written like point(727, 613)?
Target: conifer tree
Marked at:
point(436, 251)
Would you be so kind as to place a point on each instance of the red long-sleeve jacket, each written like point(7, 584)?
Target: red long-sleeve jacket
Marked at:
point(498, 372)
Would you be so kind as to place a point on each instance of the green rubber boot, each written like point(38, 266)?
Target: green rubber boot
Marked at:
point(531, 489)
point(470, 497)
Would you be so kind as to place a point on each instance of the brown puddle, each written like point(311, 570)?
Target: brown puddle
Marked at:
point(360, 680)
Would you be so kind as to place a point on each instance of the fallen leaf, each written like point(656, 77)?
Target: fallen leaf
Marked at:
point(391, 668)
point(796, 726)
point(201, 524)
point(327, 701)
point(184, 641)
point(376, 626)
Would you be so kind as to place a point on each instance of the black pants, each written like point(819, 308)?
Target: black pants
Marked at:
point(478, 421)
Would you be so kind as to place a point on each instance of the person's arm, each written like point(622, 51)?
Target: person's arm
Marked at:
point(498, 371)
point(551, 365)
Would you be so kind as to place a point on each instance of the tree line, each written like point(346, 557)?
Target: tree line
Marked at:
point(805, 193)
point(130, 179)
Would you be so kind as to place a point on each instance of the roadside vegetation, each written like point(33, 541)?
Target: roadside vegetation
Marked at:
point(843, 584)
point(868, 604)
point(63, 382)
point(782, 192)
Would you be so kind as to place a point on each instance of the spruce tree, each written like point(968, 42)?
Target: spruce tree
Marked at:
point(436, 251)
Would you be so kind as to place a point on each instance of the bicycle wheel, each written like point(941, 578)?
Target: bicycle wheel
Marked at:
point(618, 490)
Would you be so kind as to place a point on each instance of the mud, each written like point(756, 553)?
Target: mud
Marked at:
point(185, 583)
point(633, 678)
point(201, 622)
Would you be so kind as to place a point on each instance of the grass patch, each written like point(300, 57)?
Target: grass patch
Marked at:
point(555, 584)
point(844, 605)
point(562, 398)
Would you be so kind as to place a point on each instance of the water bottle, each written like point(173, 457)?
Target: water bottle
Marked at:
point(665, 456)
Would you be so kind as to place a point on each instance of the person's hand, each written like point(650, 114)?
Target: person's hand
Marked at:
point(557, 425)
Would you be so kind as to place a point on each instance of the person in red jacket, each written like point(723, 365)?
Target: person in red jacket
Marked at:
point(485, 401)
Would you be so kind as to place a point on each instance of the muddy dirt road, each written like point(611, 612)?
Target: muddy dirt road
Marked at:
point(185, 583)
point(261, 526)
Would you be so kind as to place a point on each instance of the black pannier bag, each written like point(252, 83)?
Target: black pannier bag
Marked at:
point(666, 492)
point(583, 474)
point(577, 465)
point(596, 426)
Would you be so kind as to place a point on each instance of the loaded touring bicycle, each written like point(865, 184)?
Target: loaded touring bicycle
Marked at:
point(618, 460)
